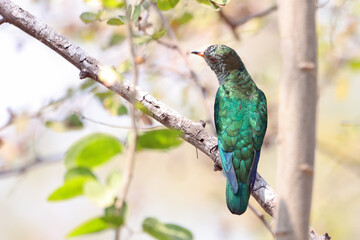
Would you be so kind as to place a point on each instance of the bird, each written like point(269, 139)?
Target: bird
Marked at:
point(240, 114)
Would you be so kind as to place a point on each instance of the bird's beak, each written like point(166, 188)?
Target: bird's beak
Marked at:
point(201, 54)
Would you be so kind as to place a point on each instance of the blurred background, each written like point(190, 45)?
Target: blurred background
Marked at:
point(45, 108)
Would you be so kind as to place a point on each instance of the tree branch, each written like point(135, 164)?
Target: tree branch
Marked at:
point(297, 118)
point(193, 132)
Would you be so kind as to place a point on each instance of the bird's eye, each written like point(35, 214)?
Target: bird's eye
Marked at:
point(212, 60)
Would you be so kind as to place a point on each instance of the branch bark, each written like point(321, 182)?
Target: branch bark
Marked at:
point(193, 132)
point(297, 118)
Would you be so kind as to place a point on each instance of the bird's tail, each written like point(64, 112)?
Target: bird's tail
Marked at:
point(237, 203)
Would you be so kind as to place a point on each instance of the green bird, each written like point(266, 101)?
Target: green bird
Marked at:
point(240, 113)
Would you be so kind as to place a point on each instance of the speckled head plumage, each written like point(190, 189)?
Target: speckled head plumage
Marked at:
point(221, 59)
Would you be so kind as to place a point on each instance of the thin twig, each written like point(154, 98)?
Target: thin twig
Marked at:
point(244, 20)
point(262, 218)
point(350, 124)
point(130, 161)
point(168, 45)
point(116, 126)
point(26, 167)
point(233, 24)
point(117, 233)
point(230, 23)
point(193, 75)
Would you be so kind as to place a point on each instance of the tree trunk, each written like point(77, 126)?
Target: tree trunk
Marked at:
point(297, 118)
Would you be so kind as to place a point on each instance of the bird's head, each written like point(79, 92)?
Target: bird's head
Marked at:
point(221, 59)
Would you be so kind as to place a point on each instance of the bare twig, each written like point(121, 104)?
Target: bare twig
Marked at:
point(26, 167)
point(168, 45)
point(262, 218)
point(230, 23)
point(193, 132)
point(116, 126)
point(233, 24)
point(350, 124)
point(244, 20)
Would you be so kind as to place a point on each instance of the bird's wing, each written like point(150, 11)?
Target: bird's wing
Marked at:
point(226, 162)
point(258, 123)
point(225, 156)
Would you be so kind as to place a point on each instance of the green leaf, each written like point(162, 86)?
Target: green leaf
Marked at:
point(165, 5)
point(143, 39)
point(122, 110)
point(112, 102)
point(116, 217)
point(205, 2)
point(89, 17)
point(115, 39)
point(98, 194)
point(71, 188)
point(92, 150)
point(88, 82)
point(112, 4)
point(209, 3)
point(114, 181)
point(139, 40)
point(55, 126)
point(159, 139)
point(354, 64)
point(142, 108)
point(71, 122)
point(103, 95)
point(91, 226)
point(79, 172)
point(136, 13)
point(186, 17)
point(129, 11)
point(122, 18)
point(114, 106)
point(221, 2)
point(114, 22)
point(162, 231)
point(101, 195)
point(159, 34)
point(99, 14)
